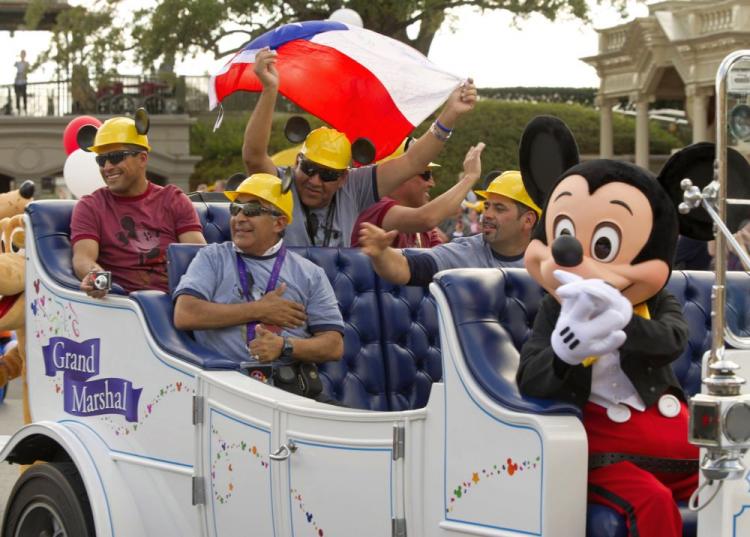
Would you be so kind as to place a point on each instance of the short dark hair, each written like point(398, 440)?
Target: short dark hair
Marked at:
point(134, 147)
point(522, 209)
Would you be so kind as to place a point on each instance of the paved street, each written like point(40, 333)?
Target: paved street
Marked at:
point(10, 420)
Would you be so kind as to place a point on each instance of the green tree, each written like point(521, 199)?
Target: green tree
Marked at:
point(497, 123)
point(82, 37)
point(181, 28)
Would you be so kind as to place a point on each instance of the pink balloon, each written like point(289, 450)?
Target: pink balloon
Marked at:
point(71, 131)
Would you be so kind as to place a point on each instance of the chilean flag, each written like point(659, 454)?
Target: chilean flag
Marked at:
point(362, 83)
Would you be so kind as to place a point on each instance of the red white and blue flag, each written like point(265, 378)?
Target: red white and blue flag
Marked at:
point(361, 83)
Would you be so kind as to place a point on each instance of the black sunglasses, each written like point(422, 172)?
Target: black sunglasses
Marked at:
point(250, 209)
point(426, 175)
point(327, 175)
point(115, 157)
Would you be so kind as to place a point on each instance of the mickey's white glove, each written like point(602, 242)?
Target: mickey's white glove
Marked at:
point(592, 317)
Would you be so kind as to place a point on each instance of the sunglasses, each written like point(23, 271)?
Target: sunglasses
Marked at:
point(426, 175)
point(250, 209)
point(327, 175)
point(115, 157)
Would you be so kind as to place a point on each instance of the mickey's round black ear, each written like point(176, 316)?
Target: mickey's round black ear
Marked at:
point(142, 122)
point(696, 162)
point(234, 180)
point(296, 129)
point(85, 137)
point(547, 149)
point(286, 179)
point(363, 151)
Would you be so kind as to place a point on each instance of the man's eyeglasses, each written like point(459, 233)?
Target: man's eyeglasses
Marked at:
point(250, 209)
point(115, 157)
point(327, 175)
point(426, 175)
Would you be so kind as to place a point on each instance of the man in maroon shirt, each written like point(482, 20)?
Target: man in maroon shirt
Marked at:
point(126, 226)
point(409, 210)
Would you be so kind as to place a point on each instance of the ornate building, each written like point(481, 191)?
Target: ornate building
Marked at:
point(671, 54)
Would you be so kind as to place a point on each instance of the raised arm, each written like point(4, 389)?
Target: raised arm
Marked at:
point(388, 262)
point(426, 217)
point(426, 149)
point(258, 129)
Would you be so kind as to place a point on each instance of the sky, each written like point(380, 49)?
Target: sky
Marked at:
point(486, 47)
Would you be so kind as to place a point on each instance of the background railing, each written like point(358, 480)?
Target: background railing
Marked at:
point(189, 95)
point(123, 95)
point(120, 95)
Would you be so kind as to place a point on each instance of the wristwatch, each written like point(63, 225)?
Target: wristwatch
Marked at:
point(286, 348)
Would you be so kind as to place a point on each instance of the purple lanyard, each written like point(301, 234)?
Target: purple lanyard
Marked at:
point(242, 270)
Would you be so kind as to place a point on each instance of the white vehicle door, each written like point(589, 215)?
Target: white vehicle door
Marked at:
point(274, 464)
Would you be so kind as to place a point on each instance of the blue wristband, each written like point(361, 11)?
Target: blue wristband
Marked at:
point(443, 127)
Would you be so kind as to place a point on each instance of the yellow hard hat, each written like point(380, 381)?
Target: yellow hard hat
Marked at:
point(266, 187)
point(401, 149)
point(286, 157)
point(328, 147)
point(478, 205)
point(510, 185)
point(118, 130)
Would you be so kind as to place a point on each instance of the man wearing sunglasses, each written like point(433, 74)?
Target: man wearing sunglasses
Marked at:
point(409, 210)
point(254, 300)
point(126, 226)
point(328, 194)
point(507, 221)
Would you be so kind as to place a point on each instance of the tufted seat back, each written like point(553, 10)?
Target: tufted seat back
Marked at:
point(214, 217)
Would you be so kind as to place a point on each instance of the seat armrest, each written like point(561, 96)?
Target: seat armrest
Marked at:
point(487, 347)
point(158, 309)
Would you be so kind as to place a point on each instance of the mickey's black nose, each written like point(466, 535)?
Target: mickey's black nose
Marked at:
point(567, 251)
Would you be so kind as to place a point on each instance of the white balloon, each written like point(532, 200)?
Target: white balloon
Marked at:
point(81, 173)
point(347, 16)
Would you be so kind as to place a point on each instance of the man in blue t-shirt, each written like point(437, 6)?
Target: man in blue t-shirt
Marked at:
point(253, 300)
point(507, 221)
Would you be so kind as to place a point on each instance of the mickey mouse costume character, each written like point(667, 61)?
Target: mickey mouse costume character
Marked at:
point(606, 335)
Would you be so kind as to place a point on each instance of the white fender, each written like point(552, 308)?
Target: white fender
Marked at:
point(108, 494)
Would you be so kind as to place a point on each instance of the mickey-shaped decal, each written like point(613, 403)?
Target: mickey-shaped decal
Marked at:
point(606, 335)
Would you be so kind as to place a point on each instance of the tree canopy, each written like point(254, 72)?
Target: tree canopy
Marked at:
point(85, 41)
point(183, 27)
point(176, 29)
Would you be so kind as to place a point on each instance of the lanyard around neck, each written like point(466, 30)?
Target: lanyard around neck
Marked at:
point(246, 287)
point(328, 225)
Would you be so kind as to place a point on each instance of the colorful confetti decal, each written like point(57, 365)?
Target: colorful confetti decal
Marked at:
point(500, 470)
point(222, 464)
point(174, 389)
point(297, 497)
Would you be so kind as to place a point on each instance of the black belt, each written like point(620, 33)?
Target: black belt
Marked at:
point(650, 464)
